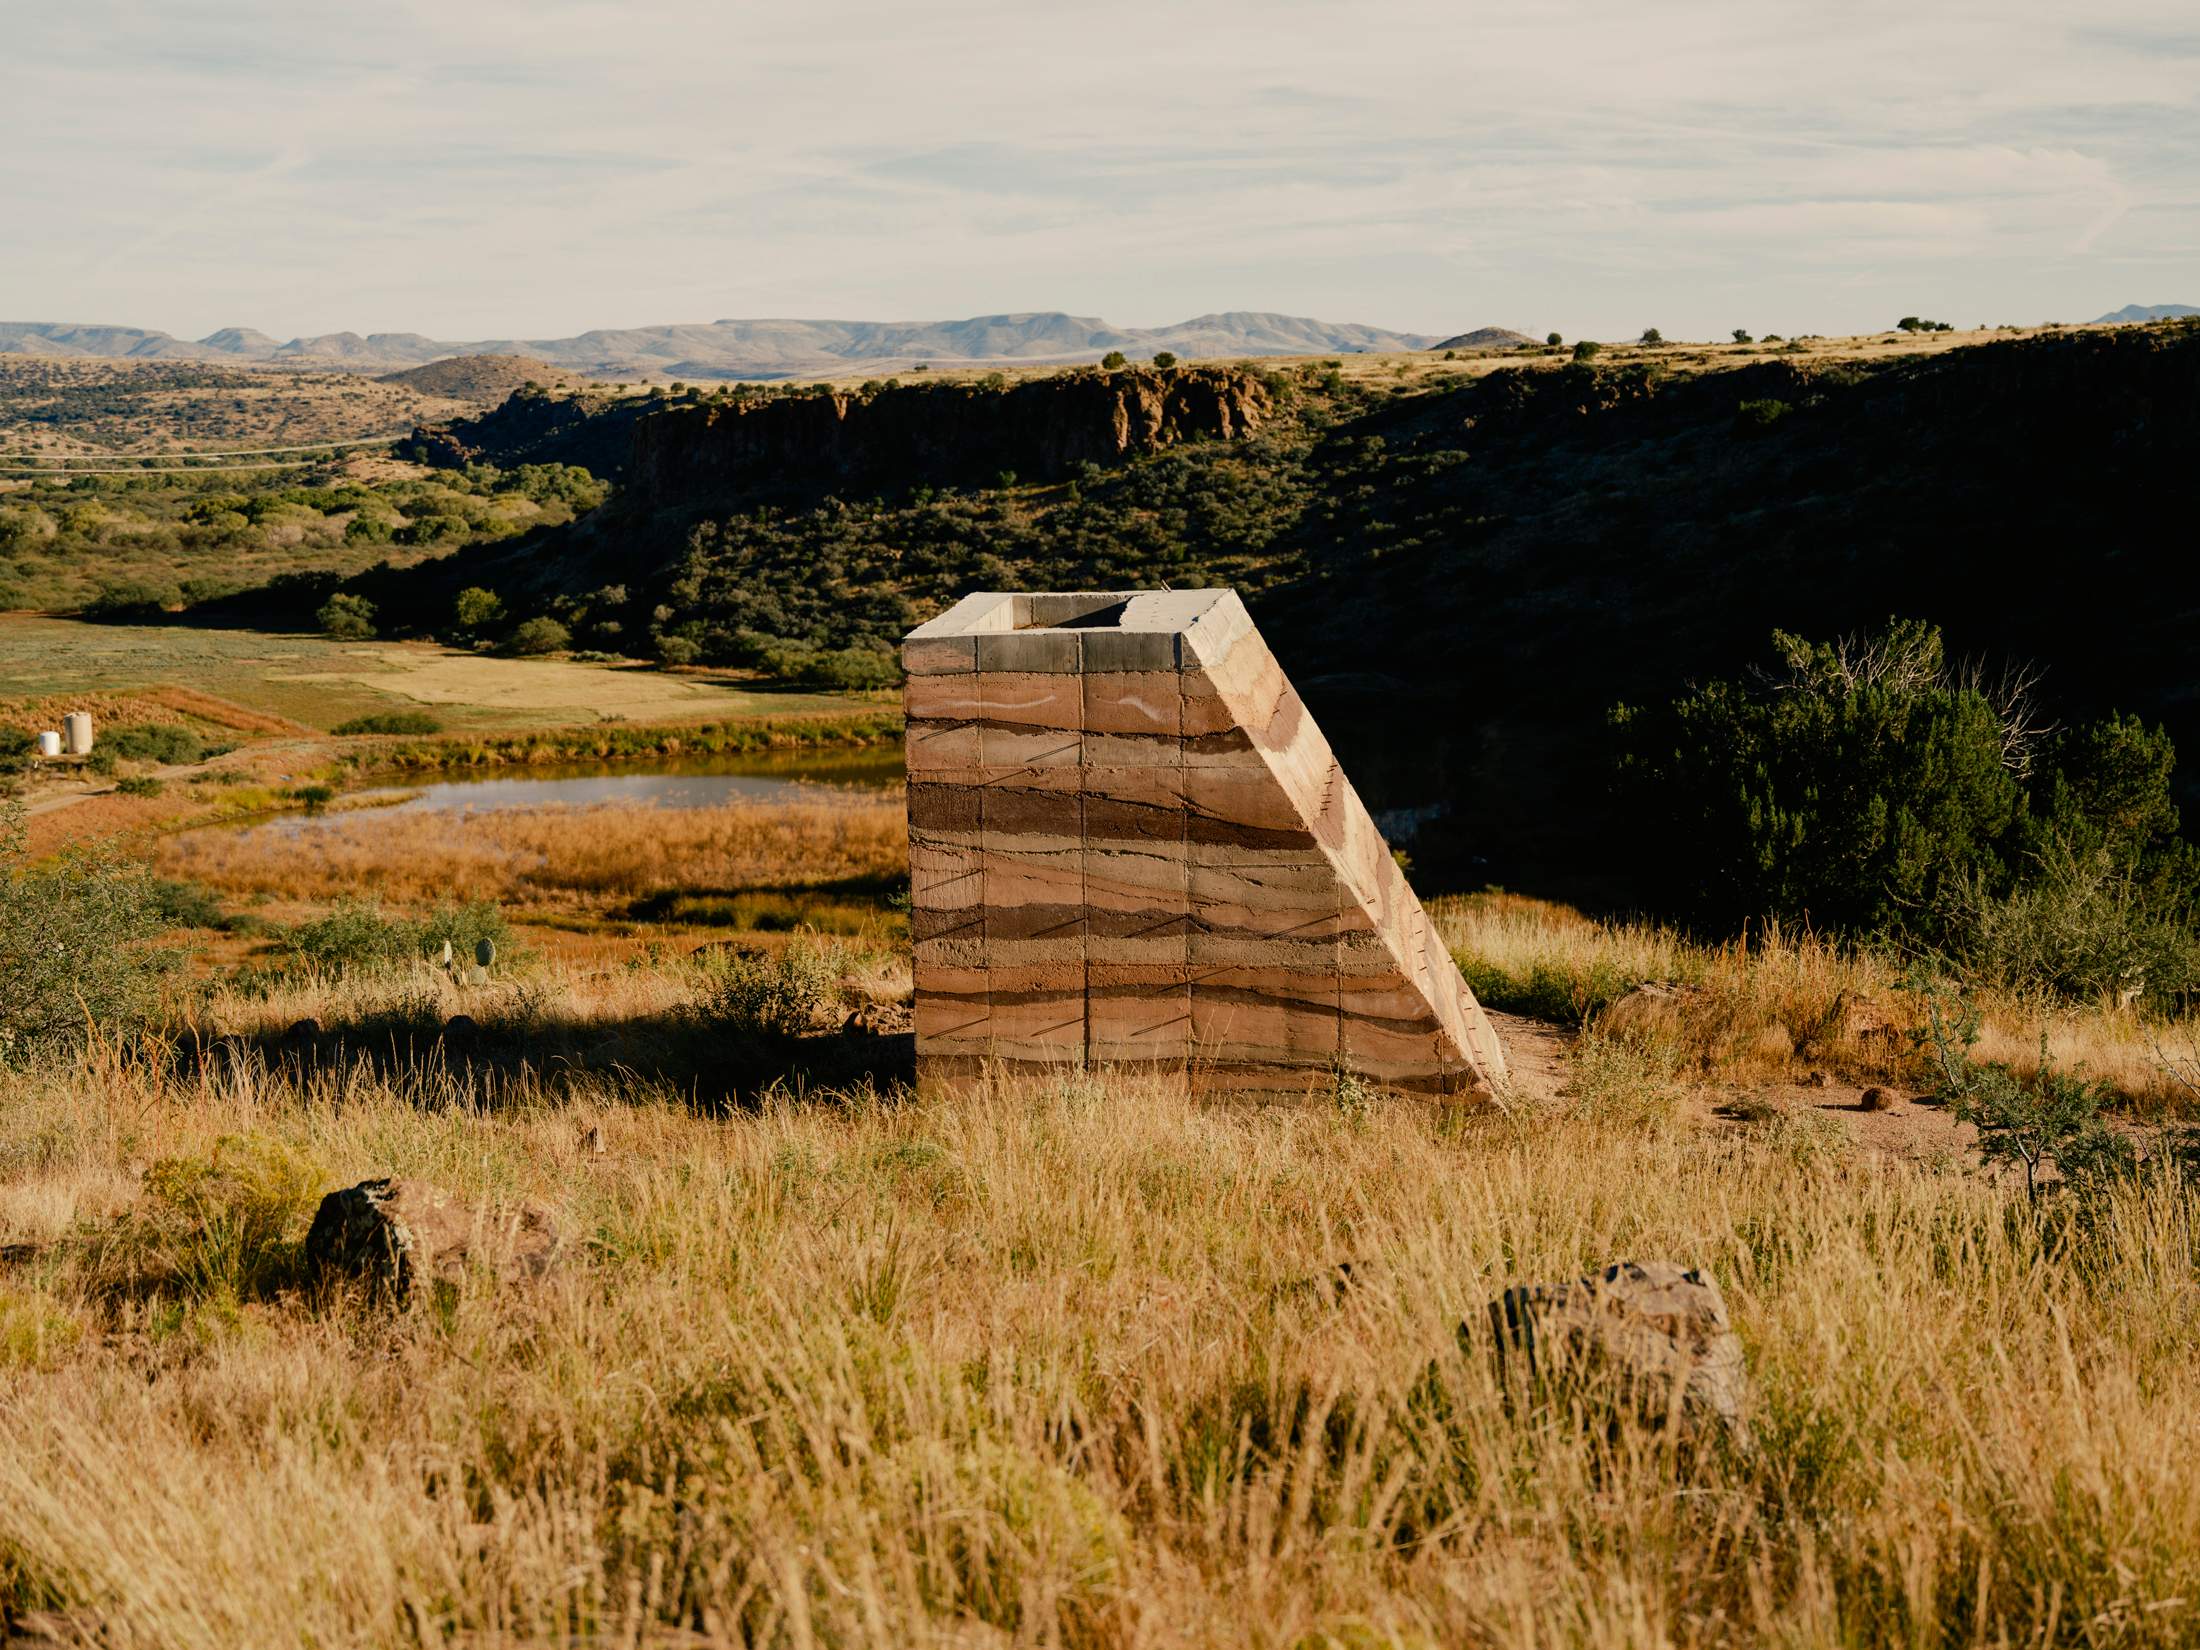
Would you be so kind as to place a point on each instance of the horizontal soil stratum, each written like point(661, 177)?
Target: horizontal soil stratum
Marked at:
point(1130, 845)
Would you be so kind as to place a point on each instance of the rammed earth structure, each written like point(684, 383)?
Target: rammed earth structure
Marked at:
point(1130, 845)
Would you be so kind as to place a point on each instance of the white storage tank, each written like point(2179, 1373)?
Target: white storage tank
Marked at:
point(49, 743)
point(78, 726)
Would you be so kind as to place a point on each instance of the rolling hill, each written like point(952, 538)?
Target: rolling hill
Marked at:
point(1467, 573)
point(2149, 312)
point(744, 348)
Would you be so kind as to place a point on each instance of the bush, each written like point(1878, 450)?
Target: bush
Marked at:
point(782, 996)
point(1553, 339)
point(843, 670)
point(1588, 350)
point(73, 944)
point(538, 636)
point(1865, 787)
point(225, 1227)
point(389, 721)
point(185, 904)
point(1164, 359)
point(356, 938)
point(122, 603)
point(1651, 335)
point(140, 784)
point(164, 742)
point(477, 609)
point(1114, 361)
point(2048, 1117)
point(347, 618)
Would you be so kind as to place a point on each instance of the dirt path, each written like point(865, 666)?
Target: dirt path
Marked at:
point(1895, 1122)
point(1535, 1056)
point(82, 791)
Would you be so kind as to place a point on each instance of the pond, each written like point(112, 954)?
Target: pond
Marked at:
point(697, 782)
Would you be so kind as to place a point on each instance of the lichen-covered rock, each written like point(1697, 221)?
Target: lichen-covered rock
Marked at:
point(393, 1235)
point(1658, 1330)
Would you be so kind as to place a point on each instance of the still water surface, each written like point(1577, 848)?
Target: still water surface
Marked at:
point(700, 782)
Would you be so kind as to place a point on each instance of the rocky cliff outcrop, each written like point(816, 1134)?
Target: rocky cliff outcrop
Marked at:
point(935, 434)
point(532, 426)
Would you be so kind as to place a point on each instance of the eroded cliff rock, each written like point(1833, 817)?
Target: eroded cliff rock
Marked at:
point(936, 434)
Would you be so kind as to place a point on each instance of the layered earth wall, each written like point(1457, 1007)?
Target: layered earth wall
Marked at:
point(1131, 846)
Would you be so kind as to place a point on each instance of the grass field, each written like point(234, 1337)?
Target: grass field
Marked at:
point(1061, 1367)
point(319, 683)
point(825, 1363)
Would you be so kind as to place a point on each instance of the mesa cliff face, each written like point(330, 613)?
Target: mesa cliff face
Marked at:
point(936, 434)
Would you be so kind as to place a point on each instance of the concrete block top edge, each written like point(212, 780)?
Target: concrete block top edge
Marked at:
point(1090, 612)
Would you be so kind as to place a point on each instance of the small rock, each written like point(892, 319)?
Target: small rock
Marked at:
point(462, 1028)
point(1661, 1329)
point(303, 1031)
point(1877, 1099)
point(391, 1234)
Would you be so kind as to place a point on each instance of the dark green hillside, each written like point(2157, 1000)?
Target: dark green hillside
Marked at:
point(1466, 579)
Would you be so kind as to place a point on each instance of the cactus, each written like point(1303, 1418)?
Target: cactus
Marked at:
point(485, 953)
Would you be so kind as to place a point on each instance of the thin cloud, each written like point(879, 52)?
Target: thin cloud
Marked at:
point(515, 168)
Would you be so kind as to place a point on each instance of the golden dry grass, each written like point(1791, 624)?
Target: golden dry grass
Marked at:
point(552, 857)
point(1037, 1369)
point(1772, 1004)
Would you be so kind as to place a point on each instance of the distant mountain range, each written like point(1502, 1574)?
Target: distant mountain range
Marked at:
point(2149, 312)
point(741, 349)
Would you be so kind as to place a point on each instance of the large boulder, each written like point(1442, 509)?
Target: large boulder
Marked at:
point(1657, 1331)
point(393, 1235)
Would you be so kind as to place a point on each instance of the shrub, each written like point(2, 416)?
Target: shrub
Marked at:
point(185, 904)
point(465, 926)
point(1866, 787)
point(73, 949)
point(781, 996)
point(347, 618)
point(389, 721)
point(165, 742)
point(1761, 414)
point(2048, 1117)
point(140, 784)
point(356, 938)
point(1741, 336)
point(227, 1226)
point(1164, 359)
point(535, 637)
point(477, 609)
point(677, 650)
point(1651, 335)
point(135, 600)
point(1114, 360)
point(1553, 339)
point(1588, 350)
point(433, 528)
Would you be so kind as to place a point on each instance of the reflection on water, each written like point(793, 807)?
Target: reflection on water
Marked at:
point(703, 782)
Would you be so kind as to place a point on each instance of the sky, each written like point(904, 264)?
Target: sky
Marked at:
point(532, 168)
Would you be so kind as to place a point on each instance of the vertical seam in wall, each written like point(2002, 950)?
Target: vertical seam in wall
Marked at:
point(1084, 852)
